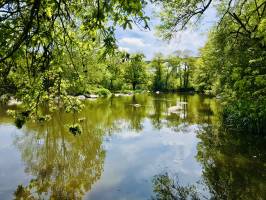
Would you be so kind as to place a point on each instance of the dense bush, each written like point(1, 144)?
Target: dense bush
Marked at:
point(249, 116)
point(103, 92)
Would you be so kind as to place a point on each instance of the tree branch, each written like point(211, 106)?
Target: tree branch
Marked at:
point(26, 30)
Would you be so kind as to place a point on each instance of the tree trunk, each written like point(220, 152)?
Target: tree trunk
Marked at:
point(134, 86)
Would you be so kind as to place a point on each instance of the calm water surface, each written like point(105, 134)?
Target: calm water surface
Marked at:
point(165, 147)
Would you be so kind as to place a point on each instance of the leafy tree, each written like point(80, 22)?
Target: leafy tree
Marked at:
point(135, 73)
point(116, 65)
point(185, 72)
point(234, 56)
point(158, 79)
point(171, 73)
point(46, 46)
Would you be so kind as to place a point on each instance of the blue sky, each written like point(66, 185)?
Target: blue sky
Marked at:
point(147, 42)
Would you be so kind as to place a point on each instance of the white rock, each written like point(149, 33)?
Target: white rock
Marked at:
point(13, 102)
point(123, 95)
point(81, 97)
point(93, 96)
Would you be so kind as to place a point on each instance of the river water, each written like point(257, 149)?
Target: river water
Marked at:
point(165, 146)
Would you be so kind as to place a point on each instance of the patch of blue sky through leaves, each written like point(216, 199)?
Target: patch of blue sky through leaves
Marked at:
point(147, 42)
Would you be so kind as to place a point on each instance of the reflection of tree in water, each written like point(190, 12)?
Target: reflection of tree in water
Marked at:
point(233, 164)
point(167, 188)
point(119, 113)
point(67, 166)
point(63, 166)
point(233, 168)
point(158, 116)
point(136, 114)
point(180, 112)
point(179, 116)
point(173, 111)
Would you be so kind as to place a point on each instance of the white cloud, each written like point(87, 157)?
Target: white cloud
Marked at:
point(139, 41)
point(132, 41)
point(186, 40)
point(135, 40)
point(124, 49)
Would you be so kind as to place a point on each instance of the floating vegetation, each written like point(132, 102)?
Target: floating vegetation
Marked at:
point(75, 129)
point(21, 117)
point(20, 121)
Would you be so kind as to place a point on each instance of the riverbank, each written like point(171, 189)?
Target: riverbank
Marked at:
point(9, 100)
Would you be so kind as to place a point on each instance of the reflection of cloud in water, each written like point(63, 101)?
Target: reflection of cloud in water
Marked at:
point(132, 159)
point(139, 143)
point(10, 162)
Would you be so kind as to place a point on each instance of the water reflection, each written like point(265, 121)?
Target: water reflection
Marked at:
point(233, 168)
point(169, 188)
point(126, 141)
point(63, 166)
point(234, 164)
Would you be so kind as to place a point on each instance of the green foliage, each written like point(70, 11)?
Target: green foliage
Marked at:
point(158, 81)
point(72, 104)
point(20, 118)
point(239, 74)
point(4, 98)
point(246, 115)
point(232, 63)
point(53, 49)
point(126, 90)
point(75, 129)
point(173, 73)
point(135, 72)
point(103, 92)
point(20, 121)
point(115, 68)
point(176, 15)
